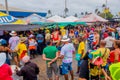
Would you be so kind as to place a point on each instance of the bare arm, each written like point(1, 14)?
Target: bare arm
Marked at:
point(105, 74)
point(46, 59)
point(53, 60)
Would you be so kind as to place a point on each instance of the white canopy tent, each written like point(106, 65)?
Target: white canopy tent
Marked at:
point(92, 18)
point(71, 19)
point(34, 18)
point(56, 18)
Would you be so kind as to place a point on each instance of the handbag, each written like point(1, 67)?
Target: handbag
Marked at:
point(77, 56)
point(60, 69)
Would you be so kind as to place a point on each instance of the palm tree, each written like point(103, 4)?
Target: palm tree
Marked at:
point(49, 12)
point(86, 13)
point(96, 10)
point(76, 15)
point(82, 13)
point(66, 10)
point(103, 6)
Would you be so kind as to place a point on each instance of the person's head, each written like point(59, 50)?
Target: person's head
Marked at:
point(116, 44)
point(49, 43)
point(110, 34)
point(26, 59)
point(3, 42)
point(96, 32)
point(81, 39)
point(31, 36)
point(102, 43)
point(2, 58)
point(13, 33)
point(23, 39)
point(65, 39)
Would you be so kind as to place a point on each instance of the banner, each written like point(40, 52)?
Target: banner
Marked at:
point(7, 19)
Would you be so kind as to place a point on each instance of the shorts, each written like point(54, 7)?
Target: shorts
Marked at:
point(53, 68)
point(14, 54)
point(84, 70)
point(80, 62)
point(66, 67)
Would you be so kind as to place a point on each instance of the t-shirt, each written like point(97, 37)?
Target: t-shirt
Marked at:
point(50, 52)
point(47, 36)
point(40, 38)
point(109, 43)
point(22, 50)
point(13, 41)
point(67, 51)
point(63, 32)
point(32, 44)
point(105, 55)
point(80, 48)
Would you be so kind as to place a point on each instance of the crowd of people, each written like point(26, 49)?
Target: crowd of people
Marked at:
point(96, 48)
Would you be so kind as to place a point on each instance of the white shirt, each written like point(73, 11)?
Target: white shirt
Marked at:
point(109, 43)
point(67, 50)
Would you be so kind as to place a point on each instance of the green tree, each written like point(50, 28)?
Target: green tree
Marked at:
point(108, 15)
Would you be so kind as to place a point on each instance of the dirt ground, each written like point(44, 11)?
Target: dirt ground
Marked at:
point(42, 65)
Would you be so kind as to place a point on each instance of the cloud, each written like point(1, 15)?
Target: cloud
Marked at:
point(57, 6)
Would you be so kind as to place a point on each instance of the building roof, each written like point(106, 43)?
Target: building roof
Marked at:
point(17, 12)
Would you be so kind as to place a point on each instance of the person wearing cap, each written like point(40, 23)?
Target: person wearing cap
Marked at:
point(47, 36)
point(5, 49)
point(32, 46)
point(13, 42)
point(40, 42)
point(50, 55)
point(66, 55)
point(29, 71)
point(21, 48)
point(5, 70)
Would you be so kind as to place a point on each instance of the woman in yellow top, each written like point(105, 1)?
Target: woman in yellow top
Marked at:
point(21, 48)
point(81, 51)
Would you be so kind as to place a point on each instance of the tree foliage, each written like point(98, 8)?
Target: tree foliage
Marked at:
point(108, 15)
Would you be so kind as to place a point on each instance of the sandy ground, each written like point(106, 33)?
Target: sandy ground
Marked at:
point(42, 65)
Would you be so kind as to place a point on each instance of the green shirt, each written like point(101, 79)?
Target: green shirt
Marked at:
point(50, 52)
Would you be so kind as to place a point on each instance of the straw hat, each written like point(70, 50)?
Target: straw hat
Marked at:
point(65, 39)
point(23, 39)
point(2, 58)
point(31, 36)
point(13, 33)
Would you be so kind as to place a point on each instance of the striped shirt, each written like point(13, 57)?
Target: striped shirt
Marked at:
point(90, 38)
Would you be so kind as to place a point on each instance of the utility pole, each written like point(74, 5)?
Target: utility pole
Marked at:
point(65, 7)
point(6, 5)
point(106, 8)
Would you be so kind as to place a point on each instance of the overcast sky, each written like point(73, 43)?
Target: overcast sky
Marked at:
point(57, 6)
